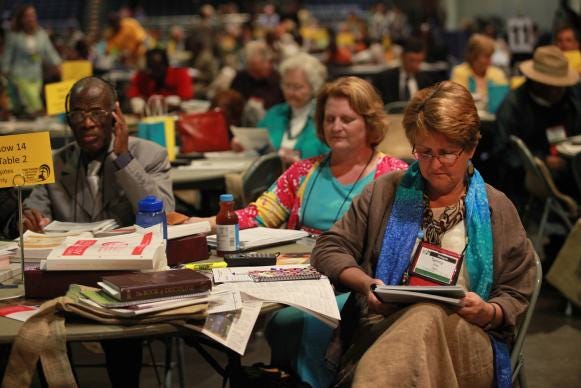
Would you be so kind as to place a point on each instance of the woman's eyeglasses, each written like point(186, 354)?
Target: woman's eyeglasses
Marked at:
point(293, 87)
point(446, 159)
point(78, 116)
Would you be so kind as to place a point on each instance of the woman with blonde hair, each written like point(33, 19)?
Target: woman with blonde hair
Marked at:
point(440, 204)
point(478, 75)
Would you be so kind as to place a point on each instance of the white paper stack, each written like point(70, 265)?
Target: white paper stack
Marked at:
point(176, 231)
point(76, 228)
point(262, 237)
point(142, 250)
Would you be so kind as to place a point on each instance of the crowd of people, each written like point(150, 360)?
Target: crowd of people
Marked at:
point(372, 212)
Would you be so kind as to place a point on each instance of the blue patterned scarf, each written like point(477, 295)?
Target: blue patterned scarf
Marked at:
point(404, 226)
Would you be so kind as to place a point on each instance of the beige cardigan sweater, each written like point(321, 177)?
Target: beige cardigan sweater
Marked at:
point(357, 238)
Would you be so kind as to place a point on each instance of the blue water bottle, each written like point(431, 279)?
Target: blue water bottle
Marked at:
point(150, 212)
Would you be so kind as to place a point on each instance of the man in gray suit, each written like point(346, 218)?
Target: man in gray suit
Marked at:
point(102, 175)
point(105, 172)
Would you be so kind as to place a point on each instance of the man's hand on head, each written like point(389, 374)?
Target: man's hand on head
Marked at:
point(120, 145)
point(34, 220)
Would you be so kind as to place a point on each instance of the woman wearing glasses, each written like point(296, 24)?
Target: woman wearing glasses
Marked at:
point(290, 125)
point(441, 204)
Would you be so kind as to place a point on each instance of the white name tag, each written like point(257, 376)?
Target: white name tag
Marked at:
point(435, 264)
point(556, 134)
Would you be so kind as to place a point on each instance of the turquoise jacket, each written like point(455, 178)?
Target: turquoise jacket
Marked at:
point(20, 62)
point(276, 121)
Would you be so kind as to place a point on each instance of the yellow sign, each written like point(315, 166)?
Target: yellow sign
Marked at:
point(75, 70)
point(56, 95)
point(26, 160)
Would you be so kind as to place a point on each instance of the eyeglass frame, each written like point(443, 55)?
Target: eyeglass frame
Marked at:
point(425, 157)
point(293, 88)
point(88, 113)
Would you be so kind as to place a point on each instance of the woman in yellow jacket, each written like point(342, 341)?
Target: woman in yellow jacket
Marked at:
point(488, 84)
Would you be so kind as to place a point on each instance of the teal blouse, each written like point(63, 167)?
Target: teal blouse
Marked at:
point(322, 211)
point(277, 121)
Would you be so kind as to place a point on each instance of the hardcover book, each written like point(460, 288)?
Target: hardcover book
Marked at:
point(150, 285)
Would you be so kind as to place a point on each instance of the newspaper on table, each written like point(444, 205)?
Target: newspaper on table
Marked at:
point(315, 297)
point(231, 328)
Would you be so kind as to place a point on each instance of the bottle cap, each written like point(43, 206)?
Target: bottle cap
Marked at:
point(150, 204)
point(226, 197)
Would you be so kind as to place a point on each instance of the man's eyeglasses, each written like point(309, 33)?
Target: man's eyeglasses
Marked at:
point(446, 159)
point(78, 116)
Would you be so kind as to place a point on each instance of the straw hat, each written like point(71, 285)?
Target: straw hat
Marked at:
point(550, 67)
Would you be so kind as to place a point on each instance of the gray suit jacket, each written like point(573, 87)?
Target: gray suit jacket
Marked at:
point(69, 199)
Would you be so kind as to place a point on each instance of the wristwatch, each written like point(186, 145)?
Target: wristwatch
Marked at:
point(123, 160)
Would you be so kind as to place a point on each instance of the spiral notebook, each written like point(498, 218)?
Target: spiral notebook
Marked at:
point(276, 275)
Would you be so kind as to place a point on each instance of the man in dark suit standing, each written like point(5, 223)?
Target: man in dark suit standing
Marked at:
point(401, 83)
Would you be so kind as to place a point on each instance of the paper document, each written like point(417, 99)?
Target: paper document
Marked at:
point(315, 297)
point(176, 231)
point(233, 165)
point(262, 237)
point(231, 329)
point(223, 298)
point(251, 138)
point(230, 154)
point(18, 312)
point(75, 228)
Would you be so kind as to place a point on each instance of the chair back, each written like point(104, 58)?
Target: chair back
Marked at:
point(576, 165)
point(395, 143)
point(395, 107)
point(534, 180)
point(261, 174)
point(569, 202)
point(516, 357)
point(538, 180)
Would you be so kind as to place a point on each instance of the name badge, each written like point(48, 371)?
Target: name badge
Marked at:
point(556, 134)
point(433, 265)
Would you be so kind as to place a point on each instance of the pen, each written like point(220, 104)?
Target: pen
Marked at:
point(205, 266)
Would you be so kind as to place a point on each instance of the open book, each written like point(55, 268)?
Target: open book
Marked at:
point(414, 294)
point(263, 237)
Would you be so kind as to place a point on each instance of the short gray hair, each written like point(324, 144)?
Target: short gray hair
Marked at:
point(314, 70)
point(257, 49)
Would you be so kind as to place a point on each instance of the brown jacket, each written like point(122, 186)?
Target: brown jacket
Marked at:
point(357, 238)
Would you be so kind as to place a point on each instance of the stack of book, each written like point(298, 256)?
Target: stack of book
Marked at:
point(37, 246)
point(134, 294)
